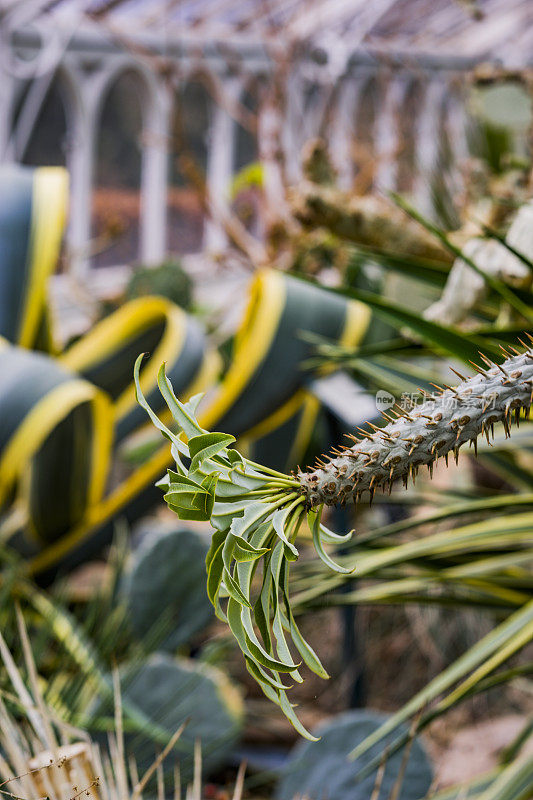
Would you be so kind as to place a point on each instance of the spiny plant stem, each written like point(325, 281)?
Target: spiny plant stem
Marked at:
point(419, 437)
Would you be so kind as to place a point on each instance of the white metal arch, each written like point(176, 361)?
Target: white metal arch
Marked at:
point(155, 108)
point(220, 165)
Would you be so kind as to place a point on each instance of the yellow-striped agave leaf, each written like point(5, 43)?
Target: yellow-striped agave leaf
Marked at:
point(263, 390)
point(265, 384)
point(106, 355)
point(55, 441)
point(263, 398)
point(32, 220)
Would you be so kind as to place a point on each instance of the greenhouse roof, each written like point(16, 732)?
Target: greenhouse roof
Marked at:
point(477, 30)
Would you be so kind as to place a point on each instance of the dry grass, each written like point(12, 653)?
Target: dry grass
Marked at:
point(44, 758)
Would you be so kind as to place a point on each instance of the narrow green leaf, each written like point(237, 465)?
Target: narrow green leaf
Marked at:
point(477, 655)
point(224, 513)
point(167, 433)
point(271, 693)
point(234, 589)
point(304, 648)
point(261, 676)
point(314, 522)
point(214, 579)
point(276, 566)
point(243, 551)
point(443, 338)
point(279, 520)
point(218, 538)
point(330, 537)
point(183, 413)
point(291, 716)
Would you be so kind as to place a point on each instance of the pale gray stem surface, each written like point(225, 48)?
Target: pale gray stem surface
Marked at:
point(420, 436)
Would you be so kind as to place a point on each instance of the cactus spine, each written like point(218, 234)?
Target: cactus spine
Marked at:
point(418, 437)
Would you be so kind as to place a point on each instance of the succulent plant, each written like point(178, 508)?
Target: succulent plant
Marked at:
point(323, 770)
point(256, 512)
point(164, 588)
point(167, 692)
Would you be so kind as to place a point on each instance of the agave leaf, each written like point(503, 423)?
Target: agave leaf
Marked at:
point(506, 501)
point(443, 339)
point(496, 534)
point(507, 466)
point(468, 789)
point(396, 376)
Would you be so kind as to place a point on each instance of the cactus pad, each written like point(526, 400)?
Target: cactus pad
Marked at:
point(166, 692)
point(323, 771)
point(165, 589)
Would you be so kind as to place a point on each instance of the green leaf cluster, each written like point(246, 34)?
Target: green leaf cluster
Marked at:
point(255, 514)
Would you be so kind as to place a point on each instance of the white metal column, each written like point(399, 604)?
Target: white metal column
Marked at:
point(388, 134)
point(220, 168)
point(7, 97)
point(456, 126)
point(154, 177)
point(343, 131)
point(428, 132)
point(84, 115)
